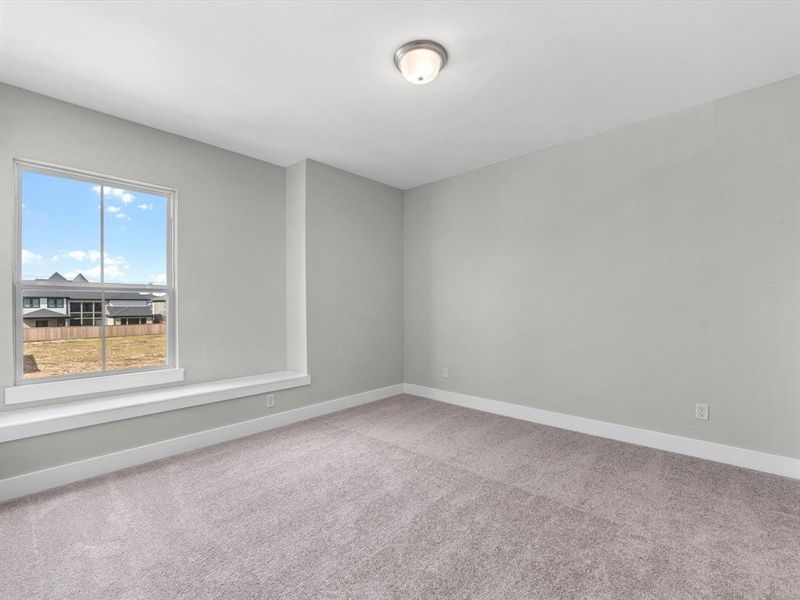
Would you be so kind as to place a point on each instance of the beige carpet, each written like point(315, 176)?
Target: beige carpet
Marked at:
point(409, 498)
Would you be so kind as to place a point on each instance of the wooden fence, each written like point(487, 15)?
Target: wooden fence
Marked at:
point(52, 334)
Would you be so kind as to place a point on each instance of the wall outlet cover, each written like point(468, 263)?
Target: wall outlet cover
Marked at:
point(701, 412)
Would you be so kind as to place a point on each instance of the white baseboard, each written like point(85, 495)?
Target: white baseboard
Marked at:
point(35, 421)
point(740, 457)
point(37, 481)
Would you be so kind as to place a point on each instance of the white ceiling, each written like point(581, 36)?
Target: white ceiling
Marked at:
point(283, 81)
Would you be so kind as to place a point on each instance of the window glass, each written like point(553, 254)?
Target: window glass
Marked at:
point(60, 228)
point(137, 335)
point(48, 352)
point(108, 246)
point(135, 228)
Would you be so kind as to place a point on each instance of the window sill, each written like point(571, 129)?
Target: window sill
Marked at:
point(30, 422)
point(69, 388)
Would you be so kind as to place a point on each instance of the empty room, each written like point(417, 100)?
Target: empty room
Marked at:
point(365, 300)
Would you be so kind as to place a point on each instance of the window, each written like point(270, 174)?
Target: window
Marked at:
point(133, 321)
point(87, 242)
point(85, 313)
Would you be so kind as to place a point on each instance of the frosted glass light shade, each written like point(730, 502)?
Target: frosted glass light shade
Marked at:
point(420, 61)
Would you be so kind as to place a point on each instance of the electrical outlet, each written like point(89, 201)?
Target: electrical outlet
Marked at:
point(701, 412)
point(270, 400)
point(445, 372)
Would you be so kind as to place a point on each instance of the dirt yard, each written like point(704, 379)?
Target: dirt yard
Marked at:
point(65, 357)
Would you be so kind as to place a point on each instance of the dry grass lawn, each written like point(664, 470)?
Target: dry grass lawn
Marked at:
point(65, 357)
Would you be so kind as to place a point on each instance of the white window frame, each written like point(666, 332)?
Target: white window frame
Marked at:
point(65, 386)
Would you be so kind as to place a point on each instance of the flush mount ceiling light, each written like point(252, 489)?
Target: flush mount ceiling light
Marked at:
point(420, 61)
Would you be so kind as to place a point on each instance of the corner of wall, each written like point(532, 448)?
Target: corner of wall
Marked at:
point(296, 313)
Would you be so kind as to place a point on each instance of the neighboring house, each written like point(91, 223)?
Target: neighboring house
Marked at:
point(76, 308)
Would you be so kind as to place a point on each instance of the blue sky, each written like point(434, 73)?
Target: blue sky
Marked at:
point(61, 231)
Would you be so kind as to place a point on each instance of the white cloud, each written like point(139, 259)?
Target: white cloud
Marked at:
point(117, 193)
point(114, 273)
point(30, 257)
point(158, 278)
point(144, 206)
point(116, 261)
point(113, 209)
point(115, 267)
point(79, 255)
point(92, 273)
point(122, 215)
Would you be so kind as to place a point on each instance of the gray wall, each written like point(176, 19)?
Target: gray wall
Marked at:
point(231, 237)
point(624, 277)
point(354, 267)
point(230, 227)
